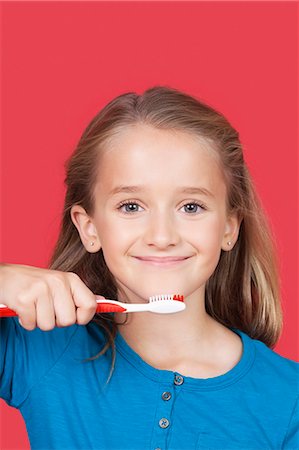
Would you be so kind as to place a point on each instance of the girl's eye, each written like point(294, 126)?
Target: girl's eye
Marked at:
point(193, 207)
point(131, 207)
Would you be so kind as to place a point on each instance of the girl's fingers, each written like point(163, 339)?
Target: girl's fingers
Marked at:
point(46, 298)
point(63, 303)
point(27, 315)
point(45, 314)
point(83, 298)
point(65, 308)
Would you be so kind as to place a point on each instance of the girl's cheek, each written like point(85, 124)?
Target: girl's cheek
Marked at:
point(210, 234)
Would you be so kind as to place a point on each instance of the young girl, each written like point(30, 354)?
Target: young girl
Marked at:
point(159, 201)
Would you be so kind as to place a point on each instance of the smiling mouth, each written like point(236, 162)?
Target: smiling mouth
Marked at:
point(162, 261)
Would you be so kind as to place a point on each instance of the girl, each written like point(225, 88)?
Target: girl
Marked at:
point(159, 200)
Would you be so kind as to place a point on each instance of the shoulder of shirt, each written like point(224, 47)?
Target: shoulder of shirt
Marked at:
point(276, 365)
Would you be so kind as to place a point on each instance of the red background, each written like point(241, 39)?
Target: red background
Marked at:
point(62, 62)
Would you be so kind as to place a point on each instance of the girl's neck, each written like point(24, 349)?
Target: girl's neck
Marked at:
point(190, 342)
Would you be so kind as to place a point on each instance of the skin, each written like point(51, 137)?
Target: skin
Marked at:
point(160, 221)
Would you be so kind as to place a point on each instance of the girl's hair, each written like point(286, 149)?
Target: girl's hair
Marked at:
point(244, 290)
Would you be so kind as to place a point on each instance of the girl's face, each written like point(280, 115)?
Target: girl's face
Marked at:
point(160, 213)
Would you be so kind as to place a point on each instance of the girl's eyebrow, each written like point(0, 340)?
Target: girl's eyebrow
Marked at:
point(183, 189)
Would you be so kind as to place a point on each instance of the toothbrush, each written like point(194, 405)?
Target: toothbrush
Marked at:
point(163, 304)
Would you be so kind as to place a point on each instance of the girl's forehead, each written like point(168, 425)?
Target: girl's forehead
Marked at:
point(147, 156)
point(143, 134)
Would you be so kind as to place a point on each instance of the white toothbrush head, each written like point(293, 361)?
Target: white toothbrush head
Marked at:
point(166, 304)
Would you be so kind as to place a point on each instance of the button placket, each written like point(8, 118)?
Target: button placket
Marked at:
point(162, 426)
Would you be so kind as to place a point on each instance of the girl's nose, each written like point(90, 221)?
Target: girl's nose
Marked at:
point(161, 231)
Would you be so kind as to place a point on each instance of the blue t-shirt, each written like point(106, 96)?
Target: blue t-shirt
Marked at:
point(66, 403)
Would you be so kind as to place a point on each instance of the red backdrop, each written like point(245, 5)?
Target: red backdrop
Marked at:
point(62, 62)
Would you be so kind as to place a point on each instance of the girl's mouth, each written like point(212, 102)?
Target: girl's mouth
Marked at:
point(162, 261)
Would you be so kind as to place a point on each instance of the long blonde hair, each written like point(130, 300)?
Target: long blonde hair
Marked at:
point(244, 290)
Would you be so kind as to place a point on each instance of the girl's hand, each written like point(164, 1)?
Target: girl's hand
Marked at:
point(46, 298)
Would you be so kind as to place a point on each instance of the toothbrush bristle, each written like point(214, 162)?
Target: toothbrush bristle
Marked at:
point(180, 298)
point(177, 297)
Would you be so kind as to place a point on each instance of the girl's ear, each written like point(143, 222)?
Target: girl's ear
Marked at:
point(231, 232)
point(86, 229)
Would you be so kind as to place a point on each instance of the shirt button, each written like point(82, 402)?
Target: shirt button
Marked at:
point(178, 380)
point(166, 396)
point(164, 423)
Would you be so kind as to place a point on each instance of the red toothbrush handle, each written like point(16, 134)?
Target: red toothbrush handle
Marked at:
point(7, 312)
point(101, 308)
point(109, 307)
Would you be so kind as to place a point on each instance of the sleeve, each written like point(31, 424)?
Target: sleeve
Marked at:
point(291, 441)
point(26, 356)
